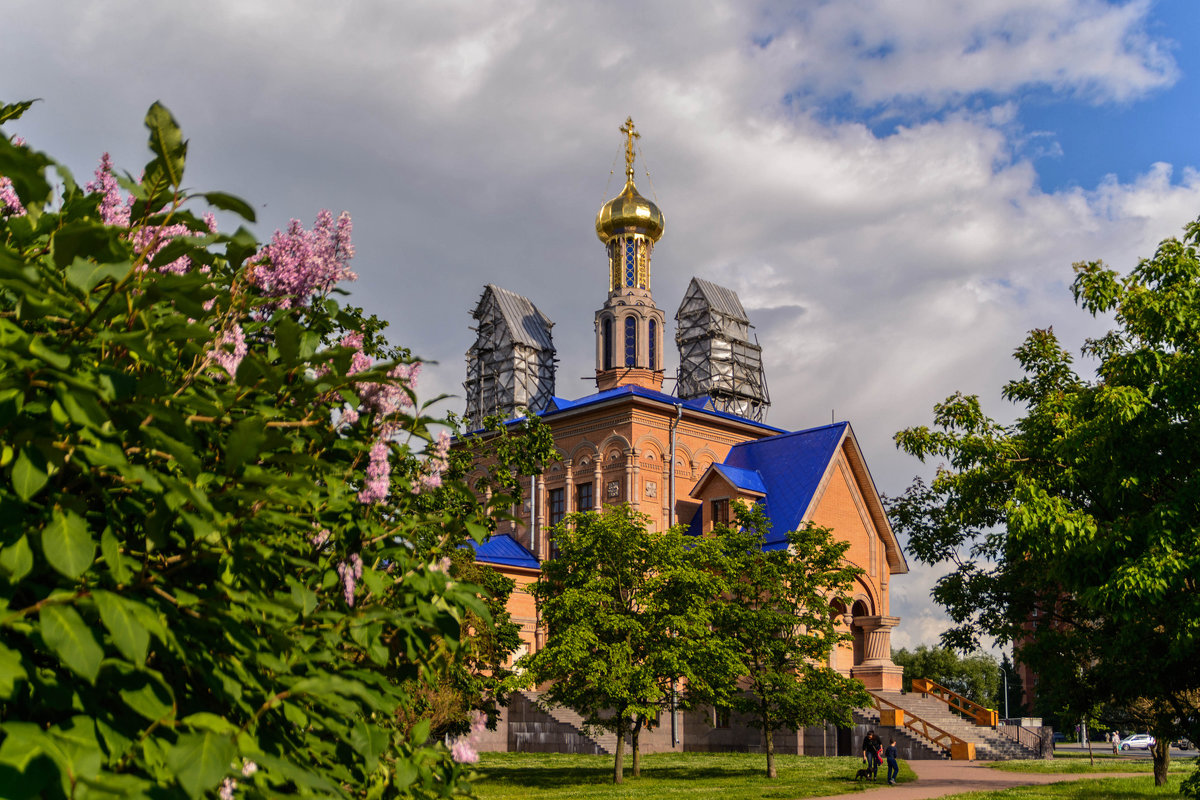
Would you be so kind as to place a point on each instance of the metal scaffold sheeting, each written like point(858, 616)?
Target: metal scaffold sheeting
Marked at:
point(716, 357)
point(511, 365)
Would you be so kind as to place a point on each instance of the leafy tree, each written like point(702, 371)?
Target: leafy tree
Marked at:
point(628, 616)
point(476, 679)
point(210, 474)
point(777, 613)
point(1072, 531)
point(974, 676)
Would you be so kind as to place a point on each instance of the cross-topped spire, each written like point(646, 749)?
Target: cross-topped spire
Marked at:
point(630, 135)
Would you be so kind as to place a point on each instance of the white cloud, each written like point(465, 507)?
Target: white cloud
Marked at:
point(932, 51)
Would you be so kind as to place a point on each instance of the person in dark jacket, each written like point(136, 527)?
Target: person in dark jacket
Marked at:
point(891, 754)
point(870, 751)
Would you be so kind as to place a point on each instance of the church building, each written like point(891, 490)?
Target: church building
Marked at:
point(679, 458)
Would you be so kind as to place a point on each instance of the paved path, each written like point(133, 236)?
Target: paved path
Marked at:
point(940, 778)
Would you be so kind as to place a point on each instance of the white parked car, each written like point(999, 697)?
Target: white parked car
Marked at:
point(1142, 741)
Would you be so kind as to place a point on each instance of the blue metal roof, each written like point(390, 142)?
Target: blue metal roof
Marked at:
point(701, 404)
point(503, 549)
point(790, 467)
point(745, 479)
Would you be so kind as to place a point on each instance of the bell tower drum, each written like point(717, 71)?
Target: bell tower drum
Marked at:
point(629, 327)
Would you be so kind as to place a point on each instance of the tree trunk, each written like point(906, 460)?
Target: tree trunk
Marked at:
point(619, 762)
point(770, 734)
point(1162, 760)
point(1091, 758)
point(637, 752)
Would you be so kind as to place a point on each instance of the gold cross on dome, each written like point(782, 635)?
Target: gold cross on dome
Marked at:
point(630, 135)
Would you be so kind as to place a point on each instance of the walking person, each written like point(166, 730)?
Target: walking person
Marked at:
point(1116, 740)
point(891, 754)
point(870, 751)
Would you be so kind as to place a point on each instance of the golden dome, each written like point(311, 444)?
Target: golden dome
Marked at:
point(629, 212)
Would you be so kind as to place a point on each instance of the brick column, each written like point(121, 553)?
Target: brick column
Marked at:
point(632, 473)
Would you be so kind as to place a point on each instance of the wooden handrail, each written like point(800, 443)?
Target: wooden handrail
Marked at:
point(943, 738)
point(984, 717)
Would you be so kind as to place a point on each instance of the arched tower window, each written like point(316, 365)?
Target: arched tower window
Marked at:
point(631, 262)
point(607, 342)
point(652, 343)
point(631, 341)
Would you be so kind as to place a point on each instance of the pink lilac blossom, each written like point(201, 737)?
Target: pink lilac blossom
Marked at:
point(147, 240)
point(227, 787)
point(10, 204)
point(350, 571)
point(113, 210)
point(300, 263)
point(437, 462)
point(462, 748)
point(248, 768)
point(230, 348)
point(319, 538)
point(385, 399)
point(377, 484)
point(360, 361)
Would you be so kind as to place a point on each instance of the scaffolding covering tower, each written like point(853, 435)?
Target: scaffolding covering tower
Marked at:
point(511, 365)
point(716, 357)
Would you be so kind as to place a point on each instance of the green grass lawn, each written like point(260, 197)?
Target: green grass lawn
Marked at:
point(694, 776)
point(1107, 789)
point(1074, 764)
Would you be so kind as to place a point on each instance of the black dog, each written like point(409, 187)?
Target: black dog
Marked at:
point(863, 773)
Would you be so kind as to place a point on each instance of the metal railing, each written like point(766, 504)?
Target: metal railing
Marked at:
point(942, 738)
point(969, 708)
point(1026, 737)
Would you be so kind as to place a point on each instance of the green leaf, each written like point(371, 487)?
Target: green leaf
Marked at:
point(11, 671)
point(15, 110)
point(128, 634)
point(209, 722)
point(110, 548)
point(287, 338)
point(65, 632)
point(88, 241)
point(420, 732)
point(228, 202)
point(16, 559)
point(68, 544)
point(29, 474)
point(165, 171)
point(369, 741)
point(86, 275)
point(147, 696)
point(244, 442)
point(200, 761)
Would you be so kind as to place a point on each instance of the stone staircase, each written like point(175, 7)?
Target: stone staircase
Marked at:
point(912, 746)
point(990, 744)
point(533, 729)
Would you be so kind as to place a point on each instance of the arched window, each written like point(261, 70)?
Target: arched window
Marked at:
point(630, 262)
point(631, 341)
point(651, 341)
point(606, 342)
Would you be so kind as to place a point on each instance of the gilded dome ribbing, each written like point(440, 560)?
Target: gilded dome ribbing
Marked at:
point(629, 212)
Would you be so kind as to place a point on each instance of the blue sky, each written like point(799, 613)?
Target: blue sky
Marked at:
point(896, 190)
point(1121, 138)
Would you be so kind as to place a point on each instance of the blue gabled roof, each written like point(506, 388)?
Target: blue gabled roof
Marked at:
point(503, 549)
point(790, 467)
point(745, 479)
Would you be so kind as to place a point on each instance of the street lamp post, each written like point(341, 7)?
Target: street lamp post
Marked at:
point(1005, 674)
